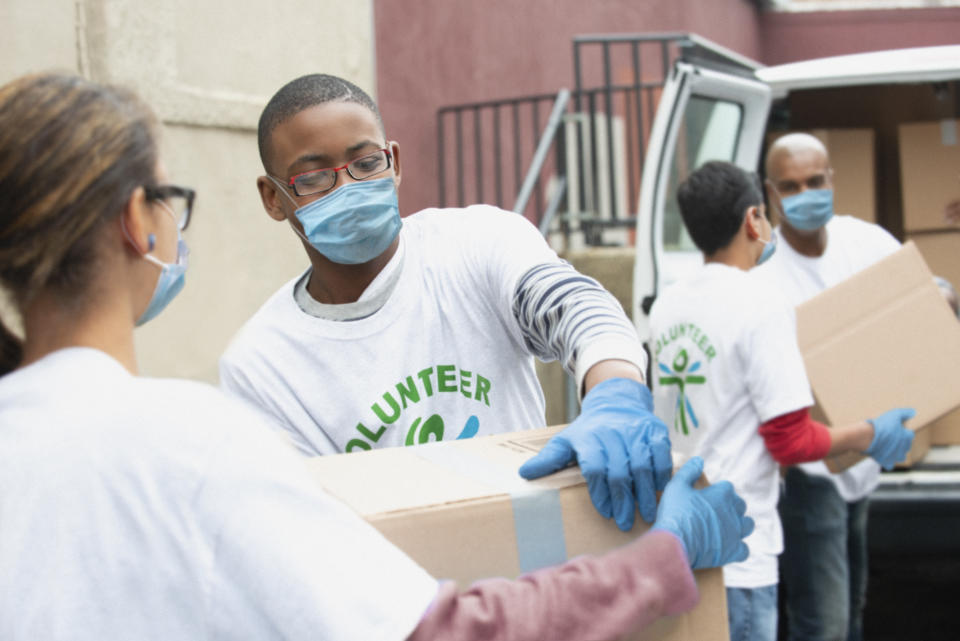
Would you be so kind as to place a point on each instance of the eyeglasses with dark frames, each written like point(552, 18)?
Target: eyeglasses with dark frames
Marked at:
point(178, 199)
point(318, 181)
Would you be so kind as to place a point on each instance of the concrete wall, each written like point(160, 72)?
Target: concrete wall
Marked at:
point(208, 68)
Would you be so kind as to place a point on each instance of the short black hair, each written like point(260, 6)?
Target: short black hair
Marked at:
point(305, 92)
point(713, 201)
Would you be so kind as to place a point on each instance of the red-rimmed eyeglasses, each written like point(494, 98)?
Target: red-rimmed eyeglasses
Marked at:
point(318, 181)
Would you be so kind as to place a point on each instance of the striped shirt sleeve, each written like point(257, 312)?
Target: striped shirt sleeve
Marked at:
point(567, 316)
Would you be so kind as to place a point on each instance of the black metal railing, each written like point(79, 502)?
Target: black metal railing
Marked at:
point(530, 182)
point(620, 76)
point(484, 148)
point(592, 177)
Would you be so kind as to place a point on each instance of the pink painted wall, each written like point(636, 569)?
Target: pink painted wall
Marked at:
point(432, 53)
point(788, 37)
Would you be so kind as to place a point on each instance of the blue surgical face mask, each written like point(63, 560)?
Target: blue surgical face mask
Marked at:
point(809, 210)
point(354, 224)
point(170, 282)
point(769, 246)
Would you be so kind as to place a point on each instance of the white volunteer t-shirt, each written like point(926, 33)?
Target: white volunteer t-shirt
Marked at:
point(137, 508)
point(443, 358)
point(725, 361)
point(852, 245)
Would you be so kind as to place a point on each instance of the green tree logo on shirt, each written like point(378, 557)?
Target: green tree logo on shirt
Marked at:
point(680, 376)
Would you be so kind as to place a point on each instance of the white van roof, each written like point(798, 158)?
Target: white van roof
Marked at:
point(921, 64)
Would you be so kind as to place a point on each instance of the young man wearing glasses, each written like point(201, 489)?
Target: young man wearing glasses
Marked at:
point(406, 331)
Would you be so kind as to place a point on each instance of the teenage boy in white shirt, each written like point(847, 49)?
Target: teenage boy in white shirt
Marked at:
point(405, 331)
point(730, 380)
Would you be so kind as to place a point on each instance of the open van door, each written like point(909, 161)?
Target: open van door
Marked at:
point(703, 115)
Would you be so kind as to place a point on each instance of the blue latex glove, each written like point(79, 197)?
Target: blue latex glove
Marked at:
point(711, 522)
point(622, 448)
point(891, 440)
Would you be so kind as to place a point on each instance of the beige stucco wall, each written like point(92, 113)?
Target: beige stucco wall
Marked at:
point(207, 68)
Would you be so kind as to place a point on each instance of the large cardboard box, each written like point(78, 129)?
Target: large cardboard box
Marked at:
point(882, 339)
point(929, 163)
point(460, 509)
point(853, 159)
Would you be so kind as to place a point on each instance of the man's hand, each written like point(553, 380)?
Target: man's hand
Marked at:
point(622, 448)
point(891, 439)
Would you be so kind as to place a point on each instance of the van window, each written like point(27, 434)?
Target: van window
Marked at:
point(709, 131)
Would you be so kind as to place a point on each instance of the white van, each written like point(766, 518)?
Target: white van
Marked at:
point(727, 109)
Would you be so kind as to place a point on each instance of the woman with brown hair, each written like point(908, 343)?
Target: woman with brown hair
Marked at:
point(143, 508)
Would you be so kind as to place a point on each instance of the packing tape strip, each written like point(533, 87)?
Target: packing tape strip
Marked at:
point(538, 523)
point(537, 515)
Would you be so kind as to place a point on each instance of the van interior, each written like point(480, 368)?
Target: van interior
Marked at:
point(881, 108)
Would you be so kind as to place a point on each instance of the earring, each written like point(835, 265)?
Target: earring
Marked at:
point(151, 242)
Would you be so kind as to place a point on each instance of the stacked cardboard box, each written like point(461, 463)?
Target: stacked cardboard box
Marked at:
point(930, 182)
point(882, 339)
point(929, 168)
point(460, 509)
point(852, 159)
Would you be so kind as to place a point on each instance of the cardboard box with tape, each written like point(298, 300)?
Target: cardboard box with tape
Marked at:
point(461, 511)
point(881, 339)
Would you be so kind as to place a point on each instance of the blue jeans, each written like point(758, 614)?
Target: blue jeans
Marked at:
point(752, 613)
point(823, 568)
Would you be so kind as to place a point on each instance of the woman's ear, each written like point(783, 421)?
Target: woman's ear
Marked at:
point(137, 223)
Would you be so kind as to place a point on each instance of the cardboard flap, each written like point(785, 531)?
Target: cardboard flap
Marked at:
point(881, 339)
